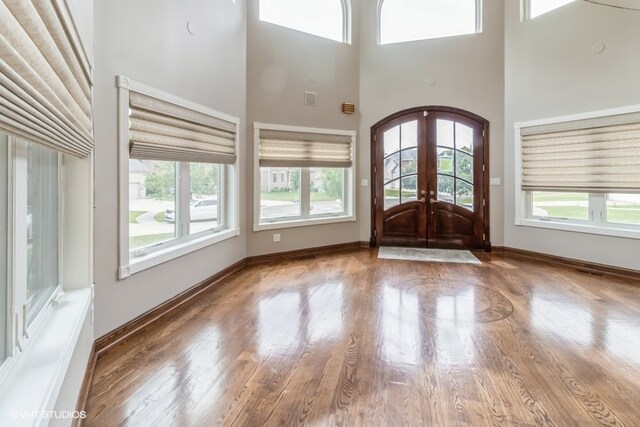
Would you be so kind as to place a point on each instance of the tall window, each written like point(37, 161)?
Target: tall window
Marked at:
point(4, 230)
point(540, 7)
point(317, 171)
point(42, 233)
point(407, 20)
point(30, 237)
point(581, 173)
point(324, 18)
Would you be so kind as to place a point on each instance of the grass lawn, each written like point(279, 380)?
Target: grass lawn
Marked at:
point(159, 217)
point(133, 215)
point(142, 241)
point(562, 197)
point(291, 196)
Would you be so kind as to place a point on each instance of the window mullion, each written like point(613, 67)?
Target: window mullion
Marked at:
point(305, 192)
point(18, 241)
point(598, 208)
point(183, 199)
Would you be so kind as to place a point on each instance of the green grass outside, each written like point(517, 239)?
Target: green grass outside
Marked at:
point(394, 193)
point(159, 217)
point(554, 197)
point(133, 216)
point(142, 241)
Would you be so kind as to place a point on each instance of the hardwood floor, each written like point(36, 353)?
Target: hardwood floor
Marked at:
point(348, 339)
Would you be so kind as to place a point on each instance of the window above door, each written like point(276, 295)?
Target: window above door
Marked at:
point(410, 20)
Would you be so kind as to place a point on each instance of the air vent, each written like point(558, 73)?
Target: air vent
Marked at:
point(348, 108)
point(310, 98)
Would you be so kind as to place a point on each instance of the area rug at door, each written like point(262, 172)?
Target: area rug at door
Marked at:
point(428, 255)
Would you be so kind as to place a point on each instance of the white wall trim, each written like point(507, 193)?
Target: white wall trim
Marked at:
point(35, 379)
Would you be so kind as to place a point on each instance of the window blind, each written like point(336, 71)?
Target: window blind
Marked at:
point(45, 77)
point(161, 130)
point(302, 149)
point(595, 155)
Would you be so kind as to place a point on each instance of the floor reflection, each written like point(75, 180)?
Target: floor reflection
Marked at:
point(325, 312)
point(400, 326)
point(278, 322)
point(623, 340)
point(565, 320)
point(458, 307)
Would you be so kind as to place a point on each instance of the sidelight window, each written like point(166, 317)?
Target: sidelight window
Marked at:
point(455, 163)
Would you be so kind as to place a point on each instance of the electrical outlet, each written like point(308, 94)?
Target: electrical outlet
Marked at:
point(365, 182)
point(276, 237)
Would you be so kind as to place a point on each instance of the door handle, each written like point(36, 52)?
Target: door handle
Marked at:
point(432, 201)
point(423, 200)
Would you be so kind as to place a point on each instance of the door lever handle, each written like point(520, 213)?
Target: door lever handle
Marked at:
point(432, 201)
point(423, 200)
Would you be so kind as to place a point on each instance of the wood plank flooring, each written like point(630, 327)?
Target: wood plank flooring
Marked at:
point(348, 339)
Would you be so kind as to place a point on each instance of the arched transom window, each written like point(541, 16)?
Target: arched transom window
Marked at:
point(324, 18)
point(407, 20)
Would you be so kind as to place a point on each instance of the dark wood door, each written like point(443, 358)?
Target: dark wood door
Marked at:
point(430, 179)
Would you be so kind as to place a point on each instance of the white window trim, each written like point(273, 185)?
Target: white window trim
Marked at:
point(521, 199)
point(129, 266)
point(349, 214)
point(479, 26)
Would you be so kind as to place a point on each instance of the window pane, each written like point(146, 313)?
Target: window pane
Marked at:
point(279, 199)
point(406, 20)
point(409, 189)
point(4, 206)
point(392, 167)
point(446, 188)
point(464, 194)
point(42, 227)
point(623, 208)
point(391, 140)
point(327, 191)
point(409, 134)
point(392, 194)
point(444, 131)
point(540, 7)
point(445, 160)
point(205, 211)
point(152, 202)
point(464, 138)
point(320, 17)
point(561, 205)
point(464, 166)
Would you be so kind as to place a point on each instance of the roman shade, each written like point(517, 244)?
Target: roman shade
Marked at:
point(45, 77)
point(600, 155)
point(304, 149)
point(161, 130)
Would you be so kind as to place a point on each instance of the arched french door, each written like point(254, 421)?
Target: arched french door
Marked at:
point(431, 179)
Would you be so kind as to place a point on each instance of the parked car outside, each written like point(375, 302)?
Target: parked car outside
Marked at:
point(199, 210)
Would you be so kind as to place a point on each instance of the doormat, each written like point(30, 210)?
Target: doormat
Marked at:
point(428, 255)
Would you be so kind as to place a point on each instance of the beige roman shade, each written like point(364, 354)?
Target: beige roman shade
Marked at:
point(161, 130)
point(45, 77)
point(594, 155)
point(302, 149)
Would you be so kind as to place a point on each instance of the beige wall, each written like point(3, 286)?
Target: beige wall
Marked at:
point(382, 80)
point(468, 72)
point(147, 40)
point(281, 65)
point(551, 71)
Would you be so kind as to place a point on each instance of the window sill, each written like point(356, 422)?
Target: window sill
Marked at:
point(302, 222)
point(580, 228)
point(161, 256)
point(37, 373)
